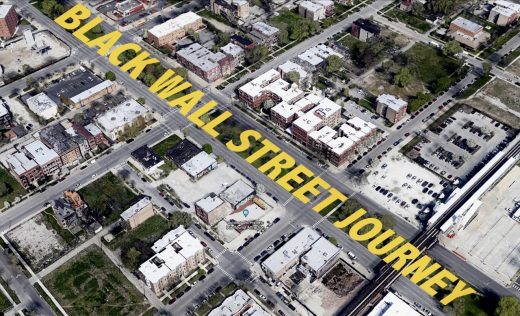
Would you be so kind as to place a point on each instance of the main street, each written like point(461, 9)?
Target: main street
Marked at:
point(174, 120)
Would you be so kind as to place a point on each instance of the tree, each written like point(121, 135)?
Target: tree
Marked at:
point(443, 83)
point(346, 92)
point(207, 148)
point(283, 36)
point(508, 306)
point(293, 76)
point(257, 53)
point(52, 8)
point(486, 67)
point(180, 218)
point(141, 100)
point(4, 188)
point(442, 6)
point(452, 48)
point(110, 75)
point(181, 72)
point(403, 77)
point(334, 63)
point(133, 256)
point(418, 9)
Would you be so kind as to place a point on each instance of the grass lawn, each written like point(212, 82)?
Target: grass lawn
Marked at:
point(107, 197)
point(151, 230)
point(506, 60)
point(203, 309)
point(12, 293)
point(90, 284)
point(162, 147)
point(230, 288)
point(212, 16)
point(14, 188)
point(5, 305)
point(409, 19)
point(349, 207)
point(429, 64)
point(48, 217)
point(349, 41)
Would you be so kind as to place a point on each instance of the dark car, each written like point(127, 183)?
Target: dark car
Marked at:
point(128, 141)
point(291, 306)
point(276, 220)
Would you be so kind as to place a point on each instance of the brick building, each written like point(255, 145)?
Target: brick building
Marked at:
point(8, 21)
point(391, 107)
point(169, 32)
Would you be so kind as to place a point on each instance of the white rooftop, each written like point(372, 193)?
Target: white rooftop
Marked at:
point(174, 24)
point(172, 250)
point(40, 103)
point(41, 153)
point(324, 109)
point(237, 192)
point(265, 29)
point(4, 9)
point(392, 102)
point(324, 134)
point(134, 209)
point(289, 66)
point(90, 92)
point(320, 254)
point(317, 54)
point(391, 305)
point(201, 57)
point(362, 125)
point(270, 81)
point(506, 7)
point(121, 115)
point(20, 163)
point(198, 164)
point(467, 25)
point(232, 50)
point(3, 108)
point(93, 129)
point(285, 109)
point(340, 145)
point(311, 6)
point(238, 304)
point(292, 249)
point(209, 203)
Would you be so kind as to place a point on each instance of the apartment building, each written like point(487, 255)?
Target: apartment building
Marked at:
point(363, 29)
point(230, 9)
point(169, 32)
point(325, 113)
point(468, 32)
point(504, 12)
point(204, 63)
point(289, 66)
point(8, 21)
point(316, 10)
point(48, 159)
point(264, 33)
point(64, 144)
point(390, 107)
point(269, 86)
point(177, 254)
point(138, 213)
point(315, 58)
point(24, 169)
point(283, 114)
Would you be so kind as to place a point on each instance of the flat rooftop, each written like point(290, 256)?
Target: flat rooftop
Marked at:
point(202, 161)
point(289, 66)
point(201, 57)
point(237, 192)
point(391, 305)
point(467, 25)
point(265, 29)
point(74, 84)
point(121, 115)
point(20, 163)
point(40, 103)
point(134, 209)
point(238, 304)
point(41, 153)
point(392, 101)
point(209, 203)
point(174, 24)
point(4, 9)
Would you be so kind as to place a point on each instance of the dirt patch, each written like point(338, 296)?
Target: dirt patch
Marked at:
point(507, 93)
point(515, 67)
point(341, 280)
point(377, 85)
point(506, 116)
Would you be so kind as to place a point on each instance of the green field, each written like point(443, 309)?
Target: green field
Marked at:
point(107, 197)
point(162, 147)
point(11, 188)
point(149, 231)
point(48, 217)
point(5, 305)
point(409, 19)
point(90, 284)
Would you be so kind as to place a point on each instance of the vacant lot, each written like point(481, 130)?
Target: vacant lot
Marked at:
point(90, 284)
point(507, 93)
point(107, 197)
point(515, 67)
point(162, 147)
point(9, 188)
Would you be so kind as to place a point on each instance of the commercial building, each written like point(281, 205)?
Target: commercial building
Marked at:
point(8, 21)
point(363, 29)
point(468, 32)
point(325, 113)
point(79, 88)
point(232, 10)
point(200, 165)
point(317, 255)
point(42, 106)
point(145, 159)
point(174, 29)
point(264, 33)
point(204, 63)
point(239, 195)
point(182, 152)
point(391, 305)
point(24, 169)
point(212, 209)
point(138, 213)
point(239, 303)
point(269, 86)
point(125, 115)
point(391, 107)
point(504, 12)
point(316, 9)
point(176, 255)
point(127, 8)
point(64, 144)
point(315, 57)
point(48, 160)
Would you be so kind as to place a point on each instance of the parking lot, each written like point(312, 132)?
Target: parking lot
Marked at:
point(490, 241)
point(402, 186)
point(460, 142)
